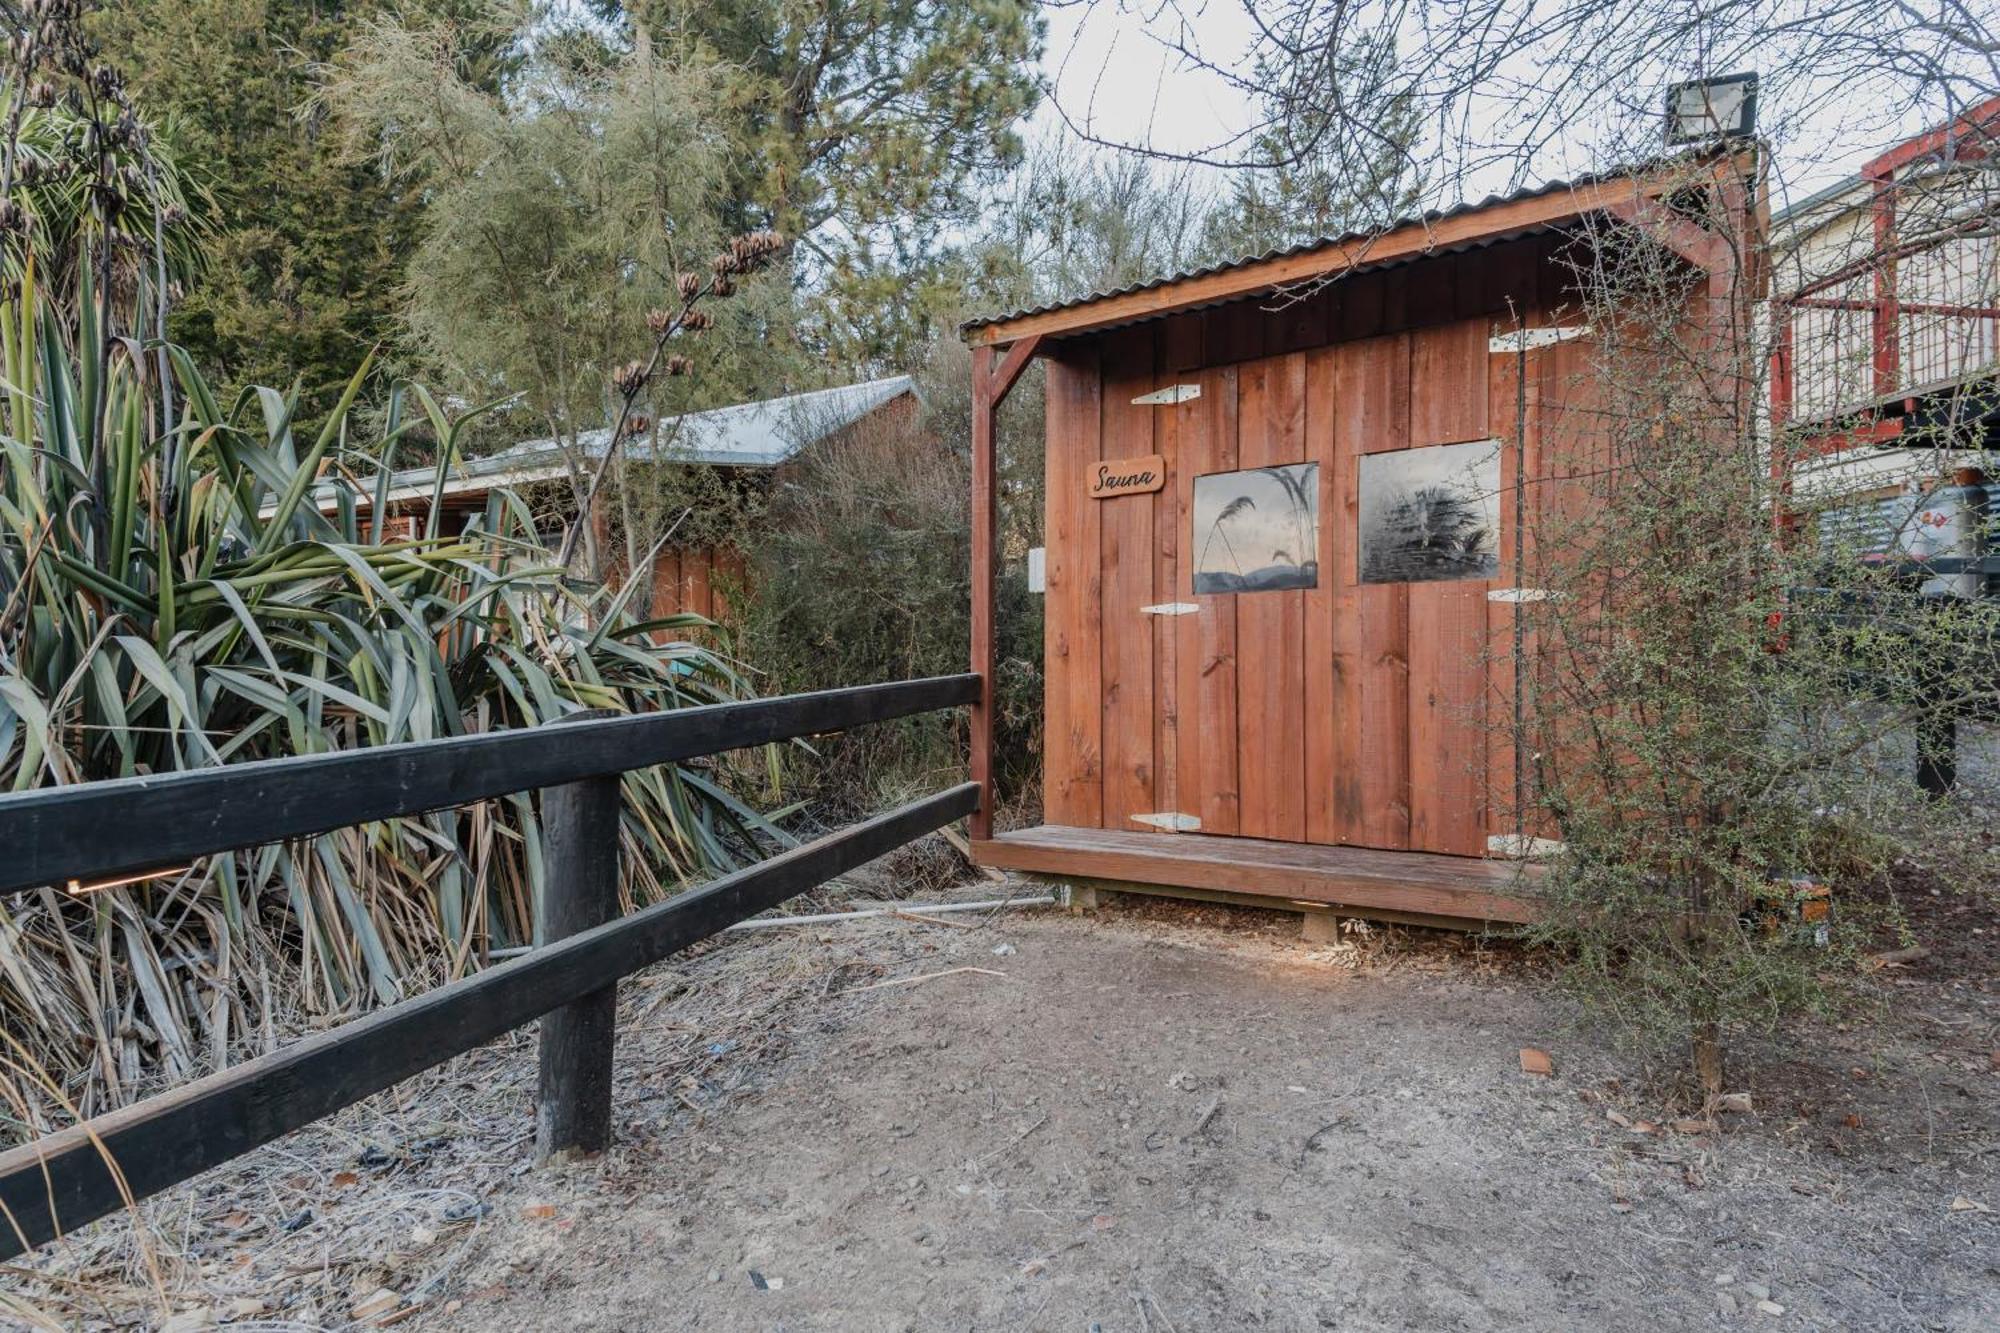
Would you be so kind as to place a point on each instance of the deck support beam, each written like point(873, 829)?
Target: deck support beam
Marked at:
point(991, 383)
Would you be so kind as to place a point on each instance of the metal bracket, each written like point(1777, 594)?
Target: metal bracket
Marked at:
point(1170, 609)
point(1173, 393)
point(1171, 820)
point(1527, 340)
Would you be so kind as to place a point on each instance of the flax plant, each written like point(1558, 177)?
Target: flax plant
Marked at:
point(185, 583)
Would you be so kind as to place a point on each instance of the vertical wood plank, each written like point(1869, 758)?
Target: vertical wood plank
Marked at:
point(1346, 644)
point(1363, 311)
point(1177, 351)
point(1448, 383)
point(1182, 349)
point(1447, 619)
point(1506, 385)
point(1234, 332)
point(1270, 739)
point(667, 582)
point(1208, 658)
point(1372, 380)
point(1448, 741)
point(1128, 557)
point(699, 564)
point(1298, 325)
point(1325, 717)
point(1072, 779)
point(1513, 303)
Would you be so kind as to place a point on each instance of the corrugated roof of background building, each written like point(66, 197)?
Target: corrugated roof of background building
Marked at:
point(761, 434)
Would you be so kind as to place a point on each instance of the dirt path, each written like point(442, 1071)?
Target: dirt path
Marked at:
point(1157, 1126)
point(1161, 1118)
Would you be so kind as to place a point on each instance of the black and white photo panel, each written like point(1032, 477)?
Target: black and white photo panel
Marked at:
point(1431, 513)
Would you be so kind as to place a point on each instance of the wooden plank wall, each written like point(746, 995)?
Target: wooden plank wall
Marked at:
point(700, 579)
point(1128, 560)
point(1350, 713)
point(1073, 721)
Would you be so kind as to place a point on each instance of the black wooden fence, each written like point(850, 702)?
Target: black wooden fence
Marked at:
point(104, 830)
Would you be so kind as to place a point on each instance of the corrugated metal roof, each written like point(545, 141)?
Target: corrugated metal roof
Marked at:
point(1429, 218)
point(761, 434)
point(764, 433)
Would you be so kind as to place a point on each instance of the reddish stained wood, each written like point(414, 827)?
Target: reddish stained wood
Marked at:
point(1447, 620)
point(1000, 382)
point(1128, 572)
point(1182, 635)
point(1345, 714)
point(1181, 343)
point(1371, 379)
point(1234, 332)
point(985, 523)
point(1299, 322)
point(1448, 775)
point(1449, 886)
point(1212, 655)
point(1514, 411)
point(1504, 806)
point(1177, 434)
point(1166, 587)
point(667, 583)
point(696, 568)
point(1502, 283)
point(1271, 678)
point(1325, 716)
point(1448, 383)
point(1347, 644)
point(1177, 639)
point(1361, 310)
point(1073, 724)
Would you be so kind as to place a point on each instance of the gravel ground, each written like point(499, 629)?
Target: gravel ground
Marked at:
point(1157, 1117)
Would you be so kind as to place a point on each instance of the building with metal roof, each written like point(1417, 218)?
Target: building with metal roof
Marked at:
point(763, 434)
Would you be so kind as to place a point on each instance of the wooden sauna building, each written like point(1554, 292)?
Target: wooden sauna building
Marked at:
point(1284, 525)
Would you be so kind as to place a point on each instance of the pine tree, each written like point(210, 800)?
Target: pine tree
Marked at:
point(867, 130)
point(308, 249)
point(1310, 177)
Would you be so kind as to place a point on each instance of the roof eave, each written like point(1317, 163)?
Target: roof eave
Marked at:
point(1414, 240)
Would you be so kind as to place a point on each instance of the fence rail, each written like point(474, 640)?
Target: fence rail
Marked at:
point(100, 830)
point(77, 1175)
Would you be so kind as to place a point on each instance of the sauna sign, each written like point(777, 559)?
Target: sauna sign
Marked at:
point(1127, 476)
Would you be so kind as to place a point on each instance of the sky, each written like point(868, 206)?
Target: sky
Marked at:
point(1111, 76)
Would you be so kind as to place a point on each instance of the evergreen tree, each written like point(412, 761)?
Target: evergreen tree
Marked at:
point(1313, 174)
point(868, 130)
point(308, 251)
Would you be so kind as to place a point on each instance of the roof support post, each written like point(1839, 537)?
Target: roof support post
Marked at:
point(990, 386)
point(985, 519)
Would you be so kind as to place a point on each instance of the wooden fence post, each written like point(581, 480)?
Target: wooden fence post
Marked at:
point(580, 891)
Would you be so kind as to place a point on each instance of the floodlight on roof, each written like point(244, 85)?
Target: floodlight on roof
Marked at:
point(1704, 109)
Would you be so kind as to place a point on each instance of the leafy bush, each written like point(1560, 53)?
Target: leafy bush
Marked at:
point(1704, 703)
point(861, 573)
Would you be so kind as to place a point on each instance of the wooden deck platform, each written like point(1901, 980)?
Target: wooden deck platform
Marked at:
point(1363, 880)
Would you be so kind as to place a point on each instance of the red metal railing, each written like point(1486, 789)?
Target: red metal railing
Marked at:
point(1917, 312)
